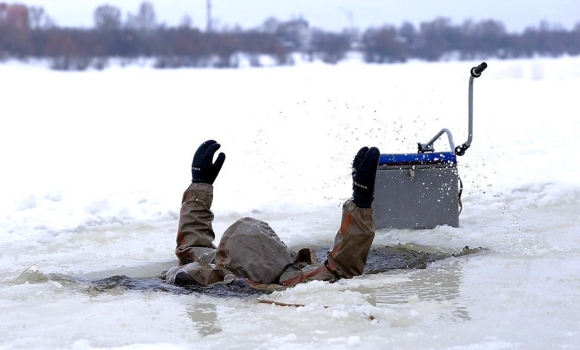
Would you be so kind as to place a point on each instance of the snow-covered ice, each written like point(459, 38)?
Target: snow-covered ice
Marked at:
point(93, 165)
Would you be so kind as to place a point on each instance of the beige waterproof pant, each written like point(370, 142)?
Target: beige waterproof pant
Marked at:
point(205, 263)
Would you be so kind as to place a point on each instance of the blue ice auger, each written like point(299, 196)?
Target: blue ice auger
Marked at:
point(423, 189)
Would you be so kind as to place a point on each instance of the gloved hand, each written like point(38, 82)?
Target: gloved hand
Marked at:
point(364, 173)
point(202, 168)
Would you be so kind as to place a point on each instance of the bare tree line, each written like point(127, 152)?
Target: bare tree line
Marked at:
point(140, 35)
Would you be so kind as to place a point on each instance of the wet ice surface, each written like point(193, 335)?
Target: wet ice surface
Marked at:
point(91, 190)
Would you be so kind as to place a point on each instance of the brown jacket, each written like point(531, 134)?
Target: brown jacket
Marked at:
point(250, 249)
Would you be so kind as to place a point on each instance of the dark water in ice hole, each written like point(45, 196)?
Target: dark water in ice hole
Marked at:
point(380, 259)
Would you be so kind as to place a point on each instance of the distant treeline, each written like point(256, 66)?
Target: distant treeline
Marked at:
point(30, 33)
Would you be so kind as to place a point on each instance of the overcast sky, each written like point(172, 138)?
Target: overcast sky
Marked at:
point(326, 14)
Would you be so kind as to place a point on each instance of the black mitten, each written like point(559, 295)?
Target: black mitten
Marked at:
point(364, 172)
point(203, 170)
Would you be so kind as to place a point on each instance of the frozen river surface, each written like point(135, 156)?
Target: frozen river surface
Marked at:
point(94, 165)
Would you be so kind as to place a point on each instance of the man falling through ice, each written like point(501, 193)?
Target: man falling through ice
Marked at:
point(250, 252)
